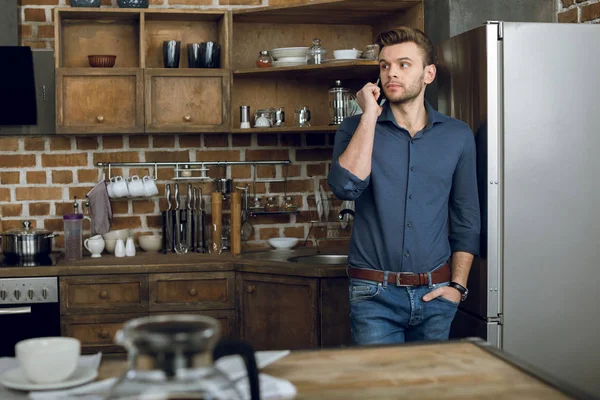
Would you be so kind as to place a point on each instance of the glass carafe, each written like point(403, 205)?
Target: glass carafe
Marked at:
point(170, 357)
point(342, 103)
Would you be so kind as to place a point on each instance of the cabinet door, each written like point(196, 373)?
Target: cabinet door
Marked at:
point(99, 100)
point(103, 294)
point(192, 291)
point(225, 317)
point(335, 312)
point(189, 100)
point(96, 332)
point(278, 312)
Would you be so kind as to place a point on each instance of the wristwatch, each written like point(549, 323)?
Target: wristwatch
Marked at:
point(464, 292)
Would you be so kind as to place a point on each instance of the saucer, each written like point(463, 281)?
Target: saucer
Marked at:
point(15, 379)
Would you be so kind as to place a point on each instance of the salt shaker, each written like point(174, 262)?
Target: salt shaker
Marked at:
point(119, 248)
point(130, 247)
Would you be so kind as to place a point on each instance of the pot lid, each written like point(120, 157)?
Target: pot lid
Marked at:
point(26, 230)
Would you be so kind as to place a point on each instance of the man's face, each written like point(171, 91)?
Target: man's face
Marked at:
point(403, 76)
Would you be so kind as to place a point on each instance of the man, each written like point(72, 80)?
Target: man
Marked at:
point(411, 172)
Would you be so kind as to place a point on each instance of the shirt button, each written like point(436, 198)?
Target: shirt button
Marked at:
point(407, 254)
point(409, 225)
point(412, 142)
point(412, 168)
point(410, 196)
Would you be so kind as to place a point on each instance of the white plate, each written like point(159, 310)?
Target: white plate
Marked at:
point(288, 64)
point(339, 60)
point(289, 52)
point(292, 60)
point(15, 379)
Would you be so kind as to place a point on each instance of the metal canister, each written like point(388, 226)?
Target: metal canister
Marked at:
point(244, 117)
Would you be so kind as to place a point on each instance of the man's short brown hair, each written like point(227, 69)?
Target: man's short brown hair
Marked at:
point(406, 34)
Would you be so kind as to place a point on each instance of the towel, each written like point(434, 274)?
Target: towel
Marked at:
point(17, 86)
point(100, 209)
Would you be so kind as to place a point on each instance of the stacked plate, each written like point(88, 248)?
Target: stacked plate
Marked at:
point(289, 56)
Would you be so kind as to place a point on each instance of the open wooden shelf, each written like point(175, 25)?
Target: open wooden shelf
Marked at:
point(288, 129)
point(354, 69)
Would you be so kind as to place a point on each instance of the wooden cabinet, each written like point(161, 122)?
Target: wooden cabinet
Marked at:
point(278, 312)
point(104, 294)
point(226, 318)
point(99, 101)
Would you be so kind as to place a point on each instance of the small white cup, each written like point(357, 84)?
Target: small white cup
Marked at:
point(119, 248)
point(150, 186)
point(135, 186)
point(119, 186)
point(49, 359)
point(95, 245)
point(109, 189)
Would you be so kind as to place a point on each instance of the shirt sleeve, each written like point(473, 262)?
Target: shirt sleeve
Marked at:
point(344, 184)
point(465, 219)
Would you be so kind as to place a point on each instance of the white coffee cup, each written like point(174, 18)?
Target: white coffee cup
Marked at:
point(150, 186)
point(120, 248)
point(49, 359)
point(95, 245)
point(109, 189)
point(135, 186)
point(119, 186)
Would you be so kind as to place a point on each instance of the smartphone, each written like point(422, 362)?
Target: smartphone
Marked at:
point(382, 98)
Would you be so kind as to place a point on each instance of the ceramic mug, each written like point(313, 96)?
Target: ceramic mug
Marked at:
point(95, 245)
point(150, 186)
point(135, 186)
point(119, 186)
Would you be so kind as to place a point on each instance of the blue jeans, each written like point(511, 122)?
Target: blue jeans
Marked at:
point(382, 313)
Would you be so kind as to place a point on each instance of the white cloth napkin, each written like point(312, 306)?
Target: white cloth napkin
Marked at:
point(233, 367)
point(8, 363)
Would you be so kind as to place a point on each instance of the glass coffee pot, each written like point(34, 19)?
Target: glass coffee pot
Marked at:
point(170, 357)
point(342, 103)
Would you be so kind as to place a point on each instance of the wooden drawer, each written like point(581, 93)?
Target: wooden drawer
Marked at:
point(99, 101)
point(96, 332)
point(192, 291)
point(225, 317)
point(103, 294)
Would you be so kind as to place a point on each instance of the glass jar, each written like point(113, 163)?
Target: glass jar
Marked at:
point(264, 118)
point(316, 54)
point(371, 52)
point(271, 205)
point(264, 59)
point(256, 205)
point(289, 204)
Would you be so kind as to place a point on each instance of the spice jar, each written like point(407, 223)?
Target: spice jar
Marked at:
point(316, 54)
point(371, 52)
point(264, 59)
point(289, 204)
point(271, 205)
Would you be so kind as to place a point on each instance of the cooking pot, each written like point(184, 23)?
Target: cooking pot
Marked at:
point(27, 242)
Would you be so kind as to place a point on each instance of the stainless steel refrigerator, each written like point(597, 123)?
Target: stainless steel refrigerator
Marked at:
point(531, 94)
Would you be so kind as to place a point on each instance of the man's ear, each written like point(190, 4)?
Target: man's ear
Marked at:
point(430, 72)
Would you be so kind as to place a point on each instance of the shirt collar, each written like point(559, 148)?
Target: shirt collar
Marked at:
point(433, 116)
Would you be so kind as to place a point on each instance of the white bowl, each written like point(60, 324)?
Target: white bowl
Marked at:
point(49, 359)
point(118, 234)
point(109, 245)
point(150, 243)
point(283, 243)
point(346, 54)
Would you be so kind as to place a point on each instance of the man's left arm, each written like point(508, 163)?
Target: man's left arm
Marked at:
point(465, 220)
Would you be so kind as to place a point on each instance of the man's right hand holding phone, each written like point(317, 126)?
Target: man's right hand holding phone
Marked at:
point(367, 99)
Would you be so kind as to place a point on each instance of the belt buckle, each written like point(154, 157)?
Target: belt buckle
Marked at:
point(398, 284)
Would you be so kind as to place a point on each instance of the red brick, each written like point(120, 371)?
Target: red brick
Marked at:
point(63, 208)
point(315, 169)
point(267, 155)
point(218, 155)
point(62, 177)
point(294, 170)
point(294, 232)
point(568, 16)
point(267, 233)
point(314, 154)
point(17, 223)
point(11, 210)
point(291, 140)
point(65, 160)
point(241, 140)
point(143, 207)
point(35, 144)
point(17, 160)
point(25, 31)
point(241, 172)
point(216, 140)
point(590, 12)
point(9, 144)
point(118, 156)
point(87, 175)
point(4, 194)
point(120, 206)
point(38, 2)
point(163, 141)
point(87, 142)
point(36, 177)
point(293, 186)
point(266, 139)
point(266, 171)
point(39, 209)
point(125, 223)
point(38, 193)
point(45, 31)
point(154, 221)
point(567, 3)
point(35, 14)
point(34, 44)
point(237, 2)
point(79, 192)
point(190, 2)
point(190, 141)
point(138, 141)
point(112, 142)
point(10, 178)
point(54, 224)
point(158, 156)
point(60, 143)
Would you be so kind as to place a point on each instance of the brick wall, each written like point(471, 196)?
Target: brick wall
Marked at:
point(39, 176)
point(578, 11)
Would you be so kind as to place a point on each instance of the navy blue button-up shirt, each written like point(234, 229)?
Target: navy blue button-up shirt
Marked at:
point(420, 202)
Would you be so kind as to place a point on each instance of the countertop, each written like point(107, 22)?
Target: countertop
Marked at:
point(269, 261)
point(446, 370)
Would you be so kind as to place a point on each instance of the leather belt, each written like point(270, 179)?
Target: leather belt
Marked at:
point(442, 274)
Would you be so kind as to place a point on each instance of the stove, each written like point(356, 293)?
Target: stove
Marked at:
point(47, 260)
point(29, 306)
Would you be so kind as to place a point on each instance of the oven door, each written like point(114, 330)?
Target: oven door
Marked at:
point(25, 321)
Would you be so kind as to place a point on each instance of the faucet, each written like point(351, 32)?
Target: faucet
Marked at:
point(344, 212)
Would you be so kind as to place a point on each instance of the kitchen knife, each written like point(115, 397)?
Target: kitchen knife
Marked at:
point(194, 221)
point(177, 228)
point(169, 214)
point(189, 219)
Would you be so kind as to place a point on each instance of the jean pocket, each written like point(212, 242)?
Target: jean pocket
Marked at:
point(442, 298)
point(363, 290)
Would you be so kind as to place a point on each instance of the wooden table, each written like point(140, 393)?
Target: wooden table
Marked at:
point(449, 370)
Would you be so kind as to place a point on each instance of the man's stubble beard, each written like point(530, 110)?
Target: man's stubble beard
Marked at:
point(410, 94)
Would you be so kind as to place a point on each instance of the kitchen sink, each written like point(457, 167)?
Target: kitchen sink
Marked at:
point(333, 259)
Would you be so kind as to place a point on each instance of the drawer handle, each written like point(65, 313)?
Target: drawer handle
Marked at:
point(192, 292)
point(187, 118)
point(250, 288)
point(100, 118)
point(103, 294)
point(103, 334)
